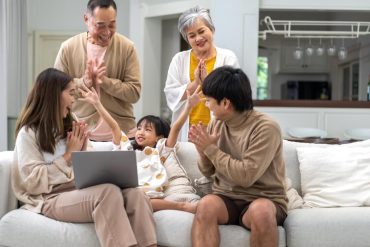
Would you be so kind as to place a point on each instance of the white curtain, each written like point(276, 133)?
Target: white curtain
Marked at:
point(13, 63)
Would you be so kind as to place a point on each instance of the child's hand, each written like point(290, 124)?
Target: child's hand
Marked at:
point(89, 95)
point(195, 98)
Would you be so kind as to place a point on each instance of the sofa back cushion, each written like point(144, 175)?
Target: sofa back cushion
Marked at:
point(335, 176)
point(292, 163)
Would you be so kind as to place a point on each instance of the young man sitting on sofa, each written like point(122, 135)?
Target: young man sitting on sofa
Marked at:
point(242, 148)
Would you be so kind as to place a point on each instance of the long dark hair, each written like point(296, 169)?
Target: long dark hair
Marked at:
point(161, 127)
point(42, 111)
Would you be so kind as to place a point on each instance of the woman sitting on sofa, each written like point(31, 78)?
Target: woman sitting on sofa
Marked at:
point(42, 175)
point(155, 140)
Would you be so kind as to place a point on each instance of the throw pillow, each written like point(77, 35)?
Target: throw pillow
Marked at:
point(335, 176)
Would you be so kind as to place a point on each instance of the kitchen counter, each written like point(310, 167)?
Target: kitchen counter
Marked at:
point(312, 103)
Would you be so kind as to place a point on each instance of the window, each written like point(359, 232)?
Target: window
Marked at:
point(262, 78)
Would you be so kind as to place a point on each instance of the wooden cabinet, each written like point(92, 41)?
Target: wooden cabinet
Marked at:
point(307, 64)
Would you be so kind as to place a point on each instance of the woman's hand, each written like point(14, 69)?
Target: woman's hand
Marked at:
point(200, 72)
point(75, 139)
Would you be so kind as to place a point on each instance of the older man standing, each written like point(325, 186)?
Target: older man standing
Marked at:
point(107, 61)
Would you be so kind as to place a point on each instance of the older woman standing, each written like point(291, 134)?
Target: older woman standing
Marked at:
point(189, 68)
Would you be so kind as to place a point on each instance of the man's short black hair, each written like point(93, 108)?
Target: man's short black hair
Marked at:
point(230, 83)
point(92, 4)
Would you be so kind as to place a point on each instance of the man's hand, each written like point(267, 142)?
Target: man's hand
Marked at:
point(201, 138)
point(88, 77)
point(99, 71)
point(94, 73)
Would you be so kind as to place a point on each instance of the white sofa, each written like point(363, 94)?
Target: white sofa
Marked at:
point(21, 228)
point(319, 227)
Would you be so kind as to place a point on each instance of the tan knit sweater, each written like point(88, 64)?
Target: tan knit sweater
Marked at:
point(247, 161)
point(34, 177)
point(119, 90)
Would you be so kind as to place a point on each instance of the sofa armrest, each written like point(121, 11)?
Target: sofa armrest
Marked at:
point(7, 198)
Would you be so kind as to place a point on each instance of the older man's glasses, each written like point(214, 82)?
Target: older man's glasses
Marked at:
point(100, 25)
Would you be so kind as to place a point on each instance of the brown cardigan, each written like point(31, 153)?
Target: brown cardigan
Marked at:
point(119, 90)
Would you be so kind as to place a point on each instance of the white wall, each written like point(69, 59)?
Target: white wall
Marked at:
point(170, 46)
point(67, 15)
point(3, 82)
point(237, 29)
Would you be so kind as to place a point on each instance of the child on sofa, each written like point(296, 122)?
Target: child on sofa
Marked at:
point(155, 138)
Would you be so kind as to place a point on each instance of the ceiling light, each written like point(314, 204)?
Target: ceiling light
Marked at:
point(331, 49)
point(320, 49)
point(342, 52)
point(309, 49)
point(298, 52)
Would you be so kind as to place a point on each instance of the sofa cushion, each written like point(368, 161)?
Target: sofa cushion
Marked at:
point(328, 227)
point(292, 163)
point(291, 158)
point(335, 176)
point(23, 228)
point(7, 198)
point(174, 229)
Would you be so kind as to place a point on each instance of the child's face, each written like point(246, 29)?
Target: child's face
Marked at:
point(145, 135)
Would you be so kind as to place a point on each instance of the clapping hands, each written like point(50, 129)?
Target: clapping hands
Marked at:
point(201, 138)
point(94, 73)
point(200, 72)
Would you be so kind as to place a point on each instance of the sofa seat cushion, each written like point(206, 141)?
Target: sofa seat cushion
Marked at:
point(23, 228)
point(177, 232)
point(326, 227)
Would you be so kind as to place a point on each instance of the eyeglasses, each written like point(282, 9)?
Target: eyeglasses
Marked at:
point(100, 25)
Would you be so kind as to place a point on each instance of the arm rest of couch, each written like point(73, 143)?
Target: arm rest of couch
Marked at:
point(7, 198)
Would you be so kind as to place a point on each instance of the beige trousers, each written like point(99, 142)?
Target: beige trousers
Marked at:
point(121, 217)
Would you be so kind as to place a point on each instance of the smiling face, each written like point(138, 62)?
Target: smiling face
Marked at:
point(101, 25)
point(221, 111)
point(67, 99)
point(200, 37)
point(146, 135)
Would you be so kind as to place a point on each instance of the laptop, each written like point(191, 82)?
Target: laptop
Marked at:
point(99, 167)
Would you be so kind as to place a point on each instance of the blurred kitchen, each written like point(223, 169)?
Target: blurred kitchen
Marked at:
point(313, 55)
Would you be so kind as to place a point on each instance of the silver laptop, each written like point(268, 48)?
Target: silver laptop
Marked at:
point(99, 167)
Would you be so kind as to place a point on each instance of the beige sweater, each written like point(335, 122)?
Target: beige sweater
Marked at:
point(119, 90)
point(37, 175)
point(247, 161)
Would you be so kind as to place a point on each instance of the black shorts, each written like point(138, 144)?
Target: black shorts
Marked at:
point(237, 208)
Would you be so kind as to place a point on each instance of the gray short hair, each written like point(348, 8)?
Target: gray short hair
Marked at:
point(189, 17)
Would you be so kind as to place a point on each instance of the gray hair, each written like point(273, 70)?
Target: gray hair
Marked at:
point(189, 17)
